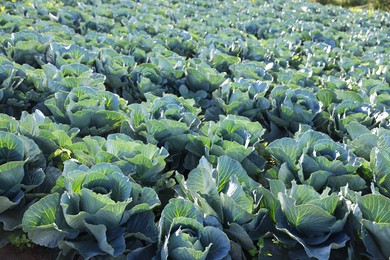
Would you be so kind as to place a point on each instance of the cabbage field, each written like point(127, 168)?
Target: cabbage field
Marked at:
point(156, 129)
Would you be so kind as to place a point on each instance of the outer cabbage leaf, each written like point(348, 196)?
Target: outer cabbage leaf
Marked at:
point(375, 224)
point(45, 223)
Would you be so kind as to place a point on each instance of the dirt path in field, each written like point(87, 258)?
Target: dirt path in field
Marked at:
point(36, 253)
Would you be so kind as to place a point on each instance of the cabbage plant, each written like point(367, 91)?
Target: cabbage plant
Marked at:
point(171, 65)
point(53, 139)
point(201, 81)
point(349, 111)
point(373, 146)
point(250, 70)
point(223, 195)
point(219, 60)
point(313, 158)
point(229, 42)
point(362, 140)
point(117, 69)
point(380, 167)
point(67, 77)
point(168, 122)
point(178, 41)
point(14, 89)
point(50, 79)
point(26, 47)
point(305, 218)
point(22, 167)
point(243, 97)
point(93, 111)
point(162, 120)
point(147, 78)
point(290, 108)
point(234, 136)
point(60, 54)
point(8, 123)
point(89, 212)
point(144, 162)
point(185, 234)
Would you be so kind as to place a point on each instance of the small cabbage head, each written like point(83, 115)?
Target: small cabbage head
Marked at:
point(316, 221)
point(93, 111)
point(184, 234)
point(313, 158)
point(292, 107)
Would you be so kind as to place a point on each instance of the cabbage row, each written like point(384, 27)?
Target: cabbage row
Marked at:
point(195, 129)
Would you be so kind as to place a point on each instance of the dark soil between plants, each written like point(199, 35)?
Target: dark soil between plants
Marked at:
point(10, 252)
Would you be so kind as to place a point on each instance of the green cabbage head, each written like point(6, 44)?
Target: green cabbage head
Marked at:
point(91, 212)
point(184, 235)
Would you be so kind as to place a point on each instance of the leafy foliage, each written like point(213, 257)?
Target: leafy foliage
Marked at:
point(194, 129)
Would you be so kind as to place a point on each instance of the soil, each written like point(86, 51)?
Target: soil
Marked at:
point(10, 252)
